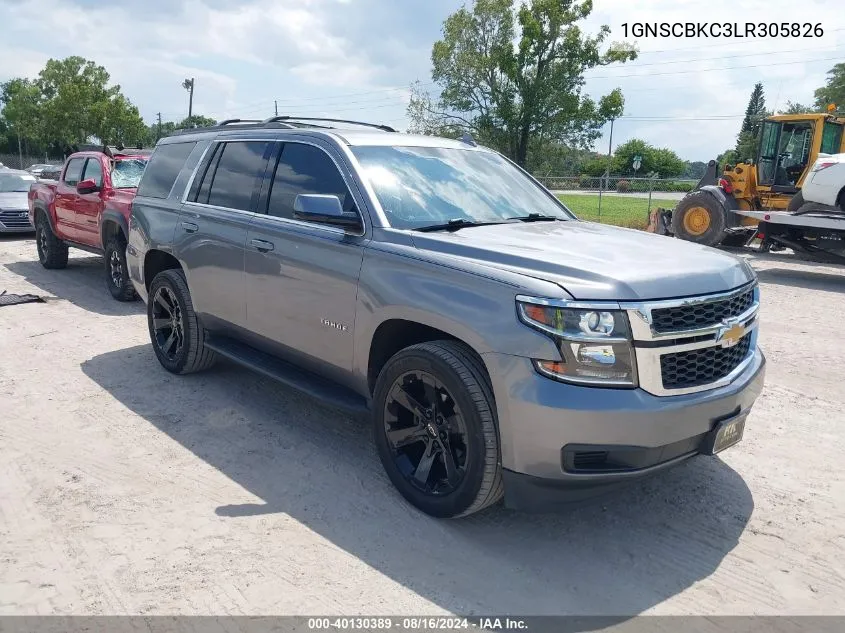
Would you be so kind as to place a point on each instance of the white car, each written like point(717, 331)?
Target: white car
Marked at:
point(825, 184)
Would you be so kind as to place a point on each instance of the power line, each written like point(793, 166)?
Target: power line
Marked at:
point(705, 70)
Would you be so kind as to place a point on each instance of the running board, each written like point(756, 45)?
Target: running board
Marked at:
point(322, 389)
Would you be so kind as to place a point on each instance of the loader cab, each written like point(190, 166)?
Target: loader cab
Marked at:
point(789, 144)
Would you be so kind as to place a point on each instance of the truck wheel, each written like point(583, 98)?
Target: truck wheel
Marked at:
point(796, 202)
point(117, 272)
point(435, 429)
point(177, 336)
point(52, 252)
point(699, 218)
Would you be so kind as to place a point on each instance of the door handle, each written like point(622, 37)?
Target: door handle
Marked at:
point(262, 245)
point(190, 227)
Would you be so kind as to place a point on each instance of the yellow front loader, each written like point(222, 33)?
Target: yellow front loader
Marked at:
point(789, 145)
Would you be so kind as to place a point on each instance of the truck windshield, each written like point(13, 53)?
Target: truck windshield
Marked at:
point(126, 173)
point(10, 183)
point(426, 186)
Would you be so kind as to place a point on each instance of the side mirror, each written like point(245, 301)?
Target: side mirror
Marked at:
point(87, 186)
point(324, 209)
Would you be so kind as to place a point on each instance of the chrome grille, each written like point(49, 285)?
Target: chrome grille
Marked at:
point(698, 315)
point(703, 366)
point(679, 342)
point(12, 219)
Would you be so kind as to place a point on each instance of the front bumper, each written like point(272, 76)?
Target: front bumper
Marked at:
point(542, 422)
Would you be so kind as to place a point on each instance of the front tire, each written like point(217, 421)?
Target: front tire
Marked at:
point(52, 252)
point(435, 429)
point(177, 336)
point(117, 271)
point(700, 218)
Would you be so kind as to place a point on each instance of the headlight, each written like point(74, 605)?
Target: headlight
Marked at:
point(594, 344)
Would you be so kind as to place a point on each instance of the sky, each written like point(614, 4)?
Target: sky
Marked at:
point(356, 58)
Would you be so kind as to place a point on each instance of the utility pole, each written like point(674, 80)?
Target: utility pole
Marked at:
point(188, 85)
point(609, 164)
point(20, 151)
point(159, 126)
point(276, 103)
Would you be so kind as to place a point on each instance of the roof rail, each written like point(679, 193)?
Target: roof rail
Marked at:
point(230, 121)
point(285, 118)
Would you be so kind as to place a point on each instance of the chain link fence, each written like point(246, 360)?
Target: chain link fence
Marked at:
point(16, 161)
point(620, 200)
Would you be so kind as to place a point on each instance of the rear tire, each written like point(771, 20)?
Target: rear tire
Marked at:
point(116, 270)
point(52, 252)
point(456, 432)
point(177, 336)
point(700, 218)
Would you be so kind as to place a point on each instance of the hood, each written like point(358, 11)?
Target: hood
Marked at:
point(14, 200)
point(595, 261)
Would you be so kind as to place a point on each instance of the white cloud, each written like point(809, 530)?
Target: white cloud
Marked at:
point(308, 54)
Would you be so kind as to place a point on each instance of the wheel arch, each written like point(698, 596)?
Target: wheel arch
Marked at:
point(155, 261)
point(395, 334)
point(113, 224)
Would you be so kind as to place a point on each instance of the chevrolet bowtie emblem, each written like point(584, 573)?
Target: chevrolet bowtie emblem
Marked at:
point(732, 335)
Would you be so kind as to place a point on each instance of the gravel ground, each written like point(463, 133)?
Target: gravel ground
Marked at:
point(125, 490)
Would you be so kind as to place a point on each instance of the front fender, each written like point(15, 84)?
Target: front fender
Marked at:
point(728, 202)
point(477, 310)
point(113, 215)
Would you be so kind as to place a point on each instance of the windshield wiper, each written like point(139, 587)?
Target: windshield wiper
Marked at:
point(537, 217)
point(453, 225)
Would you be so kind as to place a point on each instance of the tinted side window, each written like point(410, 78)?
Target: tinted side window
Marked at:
point(163, 169)
point(305, 169)
point(73, 171)
point(94, 171)
point(240, 166)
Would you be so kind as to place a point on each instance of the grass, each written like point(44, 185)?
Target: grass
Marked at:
point(617, 210)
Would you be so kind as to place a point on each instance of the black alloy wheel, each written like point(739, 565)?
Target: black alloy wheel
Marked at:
point(426, 432)
point(168, 327)
point(116, 269)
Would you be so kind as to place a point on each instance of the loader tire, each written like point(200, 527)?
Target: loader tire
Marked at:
point(700, 218)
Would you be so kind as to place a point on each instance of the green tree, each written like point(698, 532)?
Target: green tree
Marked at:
point(728, 157)
point(694, 169)
point(509, 72)
point(21, 101)
point(798, 108)
point(69, 103)
point(196, 120)
point(754, 110)
point(667, 163)
point(833, 91)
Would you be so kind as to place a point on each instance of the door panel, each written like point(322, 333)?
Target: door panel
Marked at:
point(89, 206)
point(210, 243)
point(302, 290)
point(211, 232)
point(66, 199)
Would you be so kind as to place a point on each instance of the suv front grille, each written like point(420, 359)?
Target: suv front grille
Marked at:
point(699, 315)
point(14, 219)
point(702, 366)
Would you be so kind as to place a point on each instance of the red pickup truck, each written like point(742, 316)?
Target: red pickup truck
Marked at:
point(88, 208)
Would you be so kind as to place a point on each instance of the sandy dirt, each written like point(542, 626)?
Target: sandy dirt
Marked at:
point(126, 490)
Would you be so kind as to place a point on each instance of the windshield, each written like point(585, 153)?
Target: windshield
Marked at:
point(424, 186)
point(126, 174)
point(15, 182)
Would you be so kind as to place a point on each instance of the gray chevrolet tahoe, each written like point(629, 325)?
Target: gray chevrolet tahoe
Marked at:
point(501, 346)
